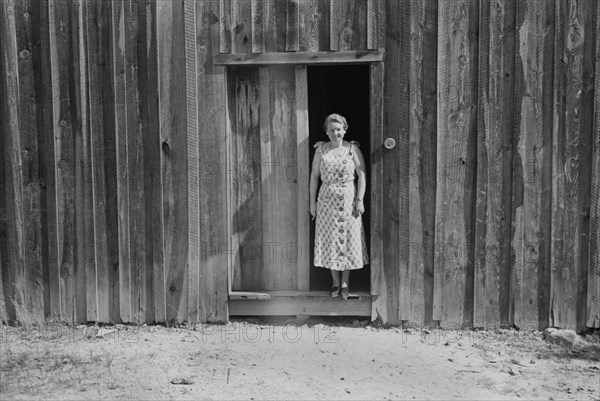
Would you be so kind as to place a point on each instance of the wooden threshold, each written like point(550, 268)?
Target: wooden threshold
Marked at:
point(332, 57)
point(283, 303)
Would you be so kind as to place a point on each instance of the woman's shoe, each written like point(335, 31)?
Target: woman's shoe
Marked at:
point(345, 291)
point(335, 291)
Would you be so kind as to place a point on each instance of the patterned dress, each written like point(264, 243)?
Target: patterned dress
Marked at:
point(340, 242)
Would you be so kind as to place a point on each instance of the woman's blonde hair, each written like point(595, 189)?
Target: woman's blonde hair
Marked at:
point(336, 118)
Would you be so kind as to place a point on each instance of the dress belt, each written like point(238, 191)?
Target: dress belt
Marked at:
point(341, 183)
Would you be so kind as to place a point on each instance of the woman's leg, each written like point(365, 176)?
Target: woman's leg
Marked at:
point(335, 275)
point(346, 278)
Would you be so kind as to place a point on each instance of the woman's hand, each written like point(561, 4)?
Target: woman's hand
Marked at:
point(313, 210)
point(359, 208)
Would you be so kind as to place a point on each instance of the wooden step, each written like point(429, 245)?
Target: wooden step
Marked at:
point(284, 303)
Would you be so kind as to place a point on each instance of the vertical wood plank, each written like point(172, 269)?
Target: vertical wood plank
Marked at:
point(335, 23)
point(31, 287)
point(494, 163)
point(122, 171)
point(399, 173)
point(241, 23)
point(266, 160)
point(378, 284)
point(173, 117)
point(275, 25)
point(41, 73)
point(373, 24)
point(149, 143)
point(571, 157)
point(593, 290)
point(357, 27)
point(531, 199)
point(84, 213)
point(257, 26)
point(292, 32)
point(457, 128)
point(152, 164)
point(191, 70)
point(96, 23)
point(64, 159)
point(8, 258)
point(248, 158)
point(135, 162)
point(310, 20)
point(300, 172)
point(387, 266)
point(348, 24)
point(422, 158)
point(281, 205)
point(215, 256)
point(225, 17)
point(3, 265)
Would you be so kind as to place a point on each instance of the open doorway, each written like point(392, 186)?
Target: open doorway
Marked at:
point(344, 90)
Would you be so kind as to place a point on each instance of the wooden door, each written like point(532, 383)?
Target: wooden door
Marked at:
point(268, 178)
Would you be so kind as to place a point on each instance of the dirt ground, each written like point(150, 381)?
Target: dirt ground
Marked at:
point(284, 360)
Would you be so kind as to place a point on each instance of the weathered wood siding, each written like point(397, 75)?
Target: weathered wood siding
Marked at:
point(117, 183)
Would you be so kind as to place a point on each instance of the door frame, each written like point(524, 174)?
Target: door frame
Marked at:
point(303, 300)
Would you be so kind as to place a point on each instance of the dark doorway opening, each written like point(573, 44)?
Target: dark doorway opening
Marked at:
point(343, 90)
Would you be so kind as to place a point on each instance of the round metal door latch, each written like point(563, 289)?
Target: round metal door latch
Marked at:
point(389, 143)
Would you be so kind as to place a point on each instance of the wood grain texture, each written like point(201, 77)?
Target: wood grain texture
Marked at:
point(63, 160)
point(494, 163)
point(251, 268)
point(193, 168)
point(329, 57)
point(300, 172)
point(42, 74)
point(274, 13)
point(147, 95)
point(376, 123)
point(279, 188)
point(225, 25)
point(241, 26)
point(386, 274)
point(135, 161)
point(7, 257)
point(121, 151)
point(374, 22)
point(257, 26)
point(399, 172)
point(292, 31)
point(313, 25)
point(457, 127)
point(530, 248)
point(32, 287)
point(571, 161)
point(214, 255)
point(422, 158)
point(593, 290)
point(348, 24)
point(173, 117)
point(86, 241)
point(96, 20)
point(152, 164)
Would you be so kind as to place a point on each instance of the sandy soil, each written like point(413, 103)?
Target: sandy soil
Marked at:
point(321, 359)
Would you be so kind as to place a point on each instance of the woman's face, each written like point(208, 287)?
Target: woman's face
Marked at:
point(335, 131)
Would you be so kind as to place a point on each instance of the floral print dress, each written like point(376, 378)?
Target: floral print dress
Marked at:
point(340, 242)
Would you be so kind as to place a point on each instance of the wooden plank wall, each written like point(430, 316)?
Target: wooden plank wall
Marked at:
point(101, 157)
point(506, 239)
point(593, 290)
point(114, 166)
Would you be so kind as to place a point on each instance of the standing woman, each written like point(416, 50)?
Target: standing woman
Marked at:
point(340, 243)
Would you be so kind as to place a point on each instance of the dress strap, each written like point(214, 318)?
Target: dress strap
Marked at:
point(352, 145)
point(320, 146)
